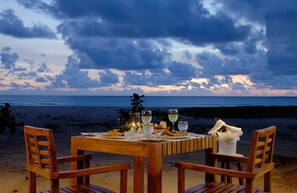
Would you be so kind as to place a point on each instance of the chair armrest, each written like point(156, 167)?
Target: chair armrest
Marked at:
point(90, 171)
point(214, 170)
point(74, 158)
point(264, 169)
point(228, 158)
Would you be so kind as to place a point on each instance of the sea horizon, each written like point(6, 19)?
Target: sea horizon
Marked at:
point(149, 101)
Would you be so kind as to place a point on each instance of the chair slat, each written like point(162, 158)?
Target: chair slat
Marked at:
point(43, 143)
point(45, 161)
point(32, 149)
point(43, 152)
point(31, 139)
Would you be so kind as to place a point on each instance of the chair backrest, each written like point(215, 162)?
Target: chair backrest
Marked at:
point(40, 148)
point(262, 148)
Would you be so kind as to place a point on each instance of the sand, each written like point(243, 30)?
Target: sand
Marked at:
point(74, 120)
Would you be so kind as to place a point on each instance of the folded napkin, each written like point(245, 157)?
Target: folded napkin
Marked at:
point(234, 131)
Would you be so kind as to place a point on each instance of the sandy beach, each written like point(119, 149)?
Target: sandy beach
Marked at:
point(70, 121)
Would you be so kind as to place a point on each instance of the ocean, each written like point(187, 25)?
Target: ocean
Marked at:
point(149, 101)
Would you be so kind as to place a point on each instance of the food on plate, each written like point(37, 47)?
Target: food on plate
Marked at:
point(113, 133)
point(158, 128)
point(161, 125)
point(167, 132)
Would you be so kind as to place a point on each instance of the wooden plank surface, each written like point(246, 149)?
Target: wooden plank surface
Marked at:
point(154, 151)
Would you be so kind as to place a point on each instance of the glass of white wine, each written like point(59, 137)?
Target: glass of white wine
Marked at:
point(146, 116)
point(173, 116)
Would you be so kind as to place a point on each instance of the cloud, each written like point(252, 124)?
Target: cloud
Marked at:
point(173, 74)
point(184, 20)
point(279, 20)
point(107, 77)
point(8, 60)
point(73, 77)
point(255, 38)
point(121, 54)
point(40, 79)
point(11, 25)
point(282, 41)
point(43, 68)
point(26, 85)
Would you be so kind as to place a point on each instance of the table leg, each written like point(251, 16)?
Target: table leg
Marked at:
point(138, 176)
point(209, 161)
point(154, 184)
point(76, 165)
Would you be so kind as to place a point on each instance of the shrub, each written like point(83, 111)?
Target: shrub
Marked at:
point(7, 120)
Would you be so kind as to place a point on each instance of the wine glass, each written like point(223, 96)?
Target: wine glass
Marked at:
point(146, 116)
point(173, 116)
point(183, 126)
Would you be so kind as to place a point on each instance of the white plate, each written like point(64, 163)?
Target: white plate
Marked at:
point(113, 137)
point(92, 134)
point(179, 137)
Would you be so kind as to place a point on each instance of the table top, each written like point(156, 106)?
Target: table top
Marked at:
point(139, 143)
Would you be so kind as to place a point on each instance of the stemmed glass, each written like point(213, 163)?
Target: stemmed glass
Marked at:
point(146, 116)
point(173, 116)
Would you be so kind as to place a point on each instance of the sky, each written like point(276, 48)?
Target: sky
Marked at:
point(151, 47)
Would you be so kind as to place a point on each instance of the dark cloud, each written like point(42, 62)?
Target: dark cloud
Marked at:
point(40, 79)
point(229, 48)
point(26, 75)
point(73, 77)
point(256, 38)
point(43, 68)
point(279, 18)
point(253, 10)
point(173, 74)
point(26, 85)
point(184, 20)
point(11, 25)
point(212, 65)
point(107, 77)
point(122, 54)
point(8, 59)
point(282, 40)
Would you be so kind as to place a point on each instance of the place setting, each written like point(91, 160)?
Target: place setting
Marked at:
point(147, 131)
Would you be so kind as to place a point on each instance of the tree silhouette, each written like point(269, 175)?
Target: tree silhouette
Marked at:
point(7, 120)
point(136, 102)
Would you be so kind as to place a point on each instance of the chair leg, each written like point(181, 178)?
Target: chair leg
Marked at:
point(240, 168)
point(32, 182)
point(87, 165)
point(55, 186)
point(181, 180)
point(249, 187)
point(124, 181)
point(267, 182)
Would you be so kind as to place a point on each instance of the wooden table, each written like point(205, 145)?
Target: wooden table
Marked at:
point(154, 151)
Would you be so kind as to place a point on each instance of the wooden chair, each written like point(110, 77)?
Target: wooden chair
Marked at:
point(258, 163)
point(42, 160)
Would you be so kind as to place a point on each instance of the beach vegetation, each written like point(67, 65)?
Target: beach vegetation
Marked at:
point(123, 116)
point(136, 102)
point(52, 126)
point(7, 119)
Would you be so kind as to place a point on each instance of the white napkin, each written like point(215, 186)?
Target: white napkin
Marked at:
point(219, 124)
